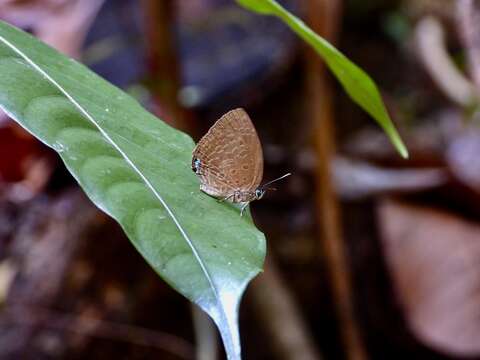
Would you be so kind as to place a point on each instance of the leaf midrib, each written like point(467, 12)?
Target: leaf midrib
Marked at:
point(99, 95)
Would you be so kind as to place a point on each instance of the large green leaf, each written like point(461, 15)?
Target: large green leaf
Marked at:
point(137, 169)
point(358, 85)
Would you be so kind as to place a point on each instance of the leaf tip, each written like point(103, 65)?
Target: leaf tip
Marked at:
point(401, 148)
point(404, 153)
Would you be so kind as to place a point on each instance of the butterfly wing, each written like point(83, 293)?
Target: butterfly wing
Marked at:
point(230, 156)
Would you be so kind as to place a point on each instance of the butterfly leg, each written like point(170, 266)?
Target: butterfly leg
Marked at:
point(243, 208)
point(226, 198)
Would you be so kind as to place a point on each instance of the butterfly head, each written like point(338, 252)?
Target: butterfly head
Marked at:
point(259, 193)
point(262, 189)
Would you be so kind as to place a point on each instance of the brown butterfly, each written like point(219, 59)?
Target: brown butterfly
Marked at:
point(229, 161)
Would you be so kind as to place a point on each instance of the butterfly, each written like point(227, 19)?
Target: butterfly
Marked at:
point(228, 160)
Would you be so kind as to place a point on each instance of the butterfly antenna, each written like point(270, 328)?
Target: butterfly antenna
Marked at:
point(277, 179)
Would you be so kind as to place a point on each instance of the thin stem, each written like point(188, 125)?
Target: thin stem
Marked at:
point(324, 20)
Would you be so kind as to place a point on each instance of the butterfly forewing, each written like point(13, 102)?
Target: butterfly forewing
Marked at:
point(230, 156)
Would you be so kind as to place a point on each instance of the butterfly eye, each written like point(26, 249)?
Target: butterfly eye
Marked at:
point(196, 165)
point(259, 194)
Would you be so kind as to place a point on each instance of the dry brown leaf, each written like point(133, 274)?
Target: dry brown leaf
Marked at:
point(434, 259)
point(62, 24)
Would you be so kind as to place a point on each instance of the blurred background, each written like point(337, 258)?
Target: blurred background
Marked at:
point(370, 256)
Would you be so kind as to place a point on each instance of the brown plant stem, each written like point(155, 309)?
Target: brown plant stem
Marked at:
point(206, 337)
point(277, 312)
point(323, 19)
point(163, 63)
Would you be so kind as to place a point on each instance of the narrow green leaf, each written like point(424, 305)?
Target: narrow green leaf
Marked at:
point(137, 169)
point(358, 85)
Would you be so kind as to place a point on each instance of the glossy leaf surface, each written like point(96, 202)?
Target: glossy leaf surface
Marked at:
point(137, 169)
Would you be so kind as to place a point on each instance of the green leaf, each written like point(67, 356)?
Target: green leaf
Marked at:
point(358, 85)
point(137, 169)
